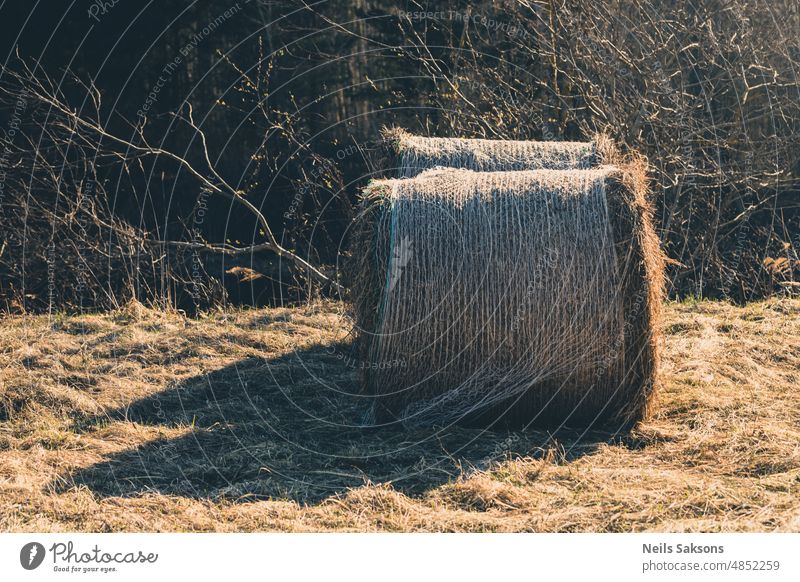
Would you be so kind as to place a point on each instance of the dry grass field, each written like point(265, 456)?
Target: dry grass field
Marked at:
point(140, 421)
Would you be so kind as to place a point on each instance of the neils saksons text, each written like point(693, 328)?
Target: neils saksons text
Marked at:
point(664, 548)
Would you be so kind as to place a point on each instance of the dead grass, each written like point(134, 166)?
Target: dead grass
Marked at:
point(145, 421)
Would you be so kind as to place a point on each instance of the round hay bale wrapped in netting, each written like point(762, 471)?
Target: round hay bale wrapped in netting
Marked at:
point(530, 297)
point(408, 155)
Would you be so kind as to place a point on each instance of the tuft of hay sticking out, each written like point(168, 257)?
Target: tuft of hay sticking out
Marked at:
point(407, 155)
point(530, 297)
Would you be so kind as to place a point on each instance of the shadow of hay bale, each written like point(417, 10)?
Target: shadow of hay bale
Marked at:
point(290, 427)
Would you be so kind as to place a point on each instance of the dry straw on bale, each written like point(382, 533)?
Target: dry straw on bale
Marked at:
point(408, 155)
point(529, 296)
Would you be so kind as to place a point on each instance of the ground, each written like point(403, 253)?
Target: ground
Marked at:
point(140, 420)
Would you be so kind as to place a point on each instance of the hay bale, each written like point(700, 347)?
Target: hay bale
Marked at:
point(531, 297)
point(408, 155)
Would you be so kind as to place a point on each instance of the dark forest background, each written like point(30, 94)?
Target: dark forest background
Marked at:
point(147, 145)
